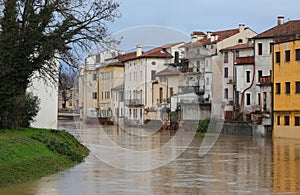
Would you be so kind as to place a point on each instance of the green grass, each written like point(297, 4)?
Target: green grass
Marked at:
point(29, 154)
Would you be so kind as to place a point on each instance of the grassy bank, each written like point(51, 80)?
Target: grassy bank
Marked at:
point(29, 154)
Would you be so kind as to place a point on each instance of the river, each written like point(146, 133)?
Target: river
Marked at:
point(235, 165)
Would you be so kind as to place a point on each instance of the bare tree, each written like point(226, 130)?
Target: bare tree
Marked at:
point(36, 33)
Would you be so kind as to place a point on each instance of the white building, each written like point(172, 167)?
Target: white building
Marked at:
point(139, 79)
point(47, 92)
point(241, 95)
point(88, 82)
point(204, 56)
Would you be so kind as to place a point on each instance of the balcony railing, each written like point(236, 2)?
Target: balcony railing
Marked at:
point(265, 80)
point(244, 60)
point(134, 102)
point(229, 81)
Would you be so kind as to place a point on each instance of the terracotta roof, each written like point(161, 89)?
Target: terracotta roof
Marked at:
point(289, 28)
point(127, 56)
point(239, 46)
point(168, 72)
point(224, 34)
point(118, 63)
point(158, 52)
point(197, 33)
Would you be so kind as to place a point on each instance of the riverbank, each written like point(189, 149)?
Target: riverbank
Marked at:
point(29, 154)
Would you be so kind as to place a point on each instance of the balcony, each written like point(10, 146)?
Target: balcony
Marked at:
point(134, 102)
point(244, 60)
point(229, 81)
point(265, 80)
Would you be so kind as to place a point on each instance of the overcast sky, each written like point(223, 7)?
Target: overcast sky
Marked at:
point(174, 20)
point(204, 15)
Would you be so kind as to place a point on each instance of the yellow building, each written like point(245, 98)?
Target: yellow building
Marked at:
point(286, 67)
point(110, 76)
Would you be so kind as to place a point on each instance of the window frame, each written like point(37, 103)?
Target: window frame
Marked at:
point(287, 55)
point(286, 120)
point(277, 57)
point(297, 54)
point(225, 72)
point(277, 88)
point(297, 121)
point(287, 87)
point(297, 87)
point(260, 49)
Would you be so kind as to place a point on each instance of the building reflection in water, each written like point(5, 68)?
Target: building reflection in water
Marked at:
point(286, 167)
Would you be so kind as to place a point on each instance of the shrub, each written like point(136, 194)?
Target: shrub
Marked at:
point(203, 125)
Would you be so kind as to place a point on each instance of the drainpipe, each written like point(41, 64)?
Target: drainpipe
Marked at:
point(243, 93)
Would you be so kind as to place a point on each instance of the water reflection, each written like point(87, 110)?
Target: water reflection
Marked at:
point(236, 165)
point(286, 155)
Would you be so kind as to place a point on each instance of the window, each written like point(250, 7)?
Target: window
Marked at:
point(225, 72)
point(260, 49)
point(94, 77)
point(141, 76)
point(226, 93)
point(102, 95)
point(287, 87)
point(161, 94)
point(286, 120)
point(277, 57)
point(141, 113)
point(297, 54)
point(259, 75)
point(248, 99)
point(240, 41)
point(225, 57)
point(298, 87)
point(121, 96)
point(248, 72)
point(153, 72)
point(278, 120)
point(287, 55)
point(258, 99)
point(171, 91)
point(277, 88)
point(297, 121)
point(98, 58)
point(94, 94)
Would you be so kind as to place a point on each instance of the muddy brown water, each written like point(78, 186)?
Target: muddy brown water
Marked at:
point(235, 165)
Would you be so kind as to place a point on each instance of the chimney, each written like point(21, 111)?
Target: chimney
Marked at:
point(209, 34)
point(242, 27)
point(138, 50)
point(280, 20)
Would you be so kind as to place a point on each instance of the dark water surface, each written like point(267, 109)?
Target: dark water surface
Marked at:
point(235, 165)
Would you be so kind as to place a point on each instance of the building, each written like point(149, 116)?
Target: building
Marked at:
point(286, 79)
point(88, 82)
point(117, 94)
point(240, 93)
point(206, 59)
point(47, 92)
point(140, 78)
point(263, 56)
point(110, 76)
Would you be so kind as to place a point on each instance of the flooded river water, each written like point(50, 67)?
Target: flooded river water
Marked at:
point(235, 165)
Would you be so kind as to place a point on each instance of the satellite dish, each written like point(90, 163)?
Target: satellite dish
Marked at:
point(206, 96)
